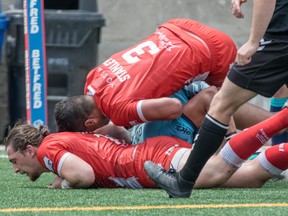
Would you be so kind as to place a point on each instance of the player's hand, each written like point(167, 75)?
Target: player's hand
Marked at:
point(56, 183)
point(245, 53)
point(236, 8)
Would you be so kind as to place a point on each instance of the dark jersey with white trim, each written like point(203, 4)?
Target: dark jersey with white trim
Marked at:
point(278, 25)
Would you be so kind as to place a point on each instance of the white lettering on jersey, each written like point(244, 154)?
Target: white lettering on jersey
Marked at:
point(91, 91)
point(106, 76)
point(116, 141)
point(131, 56)
point(165, 42)
point(128, 183)
point(116, 68)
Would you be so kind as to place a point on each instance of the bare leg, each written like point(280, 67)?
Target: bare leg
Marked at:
point(214, 127)
point(197, 107)
point(215, 172)
point(249, 114)
point(218, 173)
point(226, 102)
point(250, 175)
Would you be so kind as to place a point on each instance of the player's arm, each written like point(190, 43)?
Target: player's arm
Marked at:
point(262, 14)
point(76, 173)
point(161, 109)
point(115, 131)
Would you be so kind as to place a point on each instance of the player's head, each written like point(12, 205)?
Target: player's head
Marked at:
point(78, 114)
point(21, 144)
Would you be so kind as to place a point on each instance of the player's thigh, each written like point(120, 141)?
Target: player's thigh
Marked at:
point(229, 98)
point(282, 92)
point(215, 173)
point(197, 107)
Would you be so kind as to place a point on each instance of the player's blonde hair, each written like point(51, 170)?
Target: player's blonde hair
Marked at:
point(23, 134)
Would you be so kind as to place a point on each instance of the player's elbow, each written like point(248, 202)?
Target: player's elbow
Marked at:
point(165, 108)
point(88, 177)
point(83, 179)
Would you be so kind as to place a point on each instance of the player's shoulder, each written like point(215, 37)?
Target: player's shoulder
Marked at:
point(61, 137)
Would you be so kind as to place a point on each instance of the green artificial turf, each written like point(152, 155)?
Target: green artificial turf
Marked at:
point(19, 196)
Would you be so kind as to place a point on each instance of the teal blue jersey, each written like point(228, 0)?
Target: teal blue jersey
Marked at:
point(181, 128)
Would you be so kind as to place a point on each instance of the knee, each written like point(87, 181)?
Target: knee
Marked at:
point(210, 92)
point(222, 104)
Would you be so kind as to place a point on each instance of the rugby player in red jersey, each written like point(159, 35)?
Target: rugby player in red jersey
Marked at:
point(134, 86)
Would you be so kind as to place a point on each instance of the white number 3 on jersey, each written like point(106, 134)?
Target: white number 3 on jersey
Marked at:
point(128, 56)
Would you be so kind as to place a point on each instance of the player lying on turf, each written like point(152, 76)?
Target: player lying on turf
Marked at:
point(84, 160)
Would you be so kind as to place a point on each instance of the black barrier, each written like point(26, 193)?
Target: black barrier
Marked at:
point(73, 29)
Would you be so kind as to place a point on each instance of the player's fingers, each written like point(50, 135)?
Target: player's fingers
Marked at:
point(242, 60)
point(236, 8)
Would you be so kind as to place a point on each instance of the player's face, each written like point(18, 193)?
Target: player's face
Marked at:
point(23, 163)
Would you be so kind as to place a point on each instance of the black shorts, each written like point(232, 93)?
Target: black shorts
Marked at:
point(267, 71)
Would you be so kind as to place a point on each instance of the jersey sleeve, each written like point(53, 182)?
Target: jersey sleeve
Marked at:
point(127, 113)
point(52, 155)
